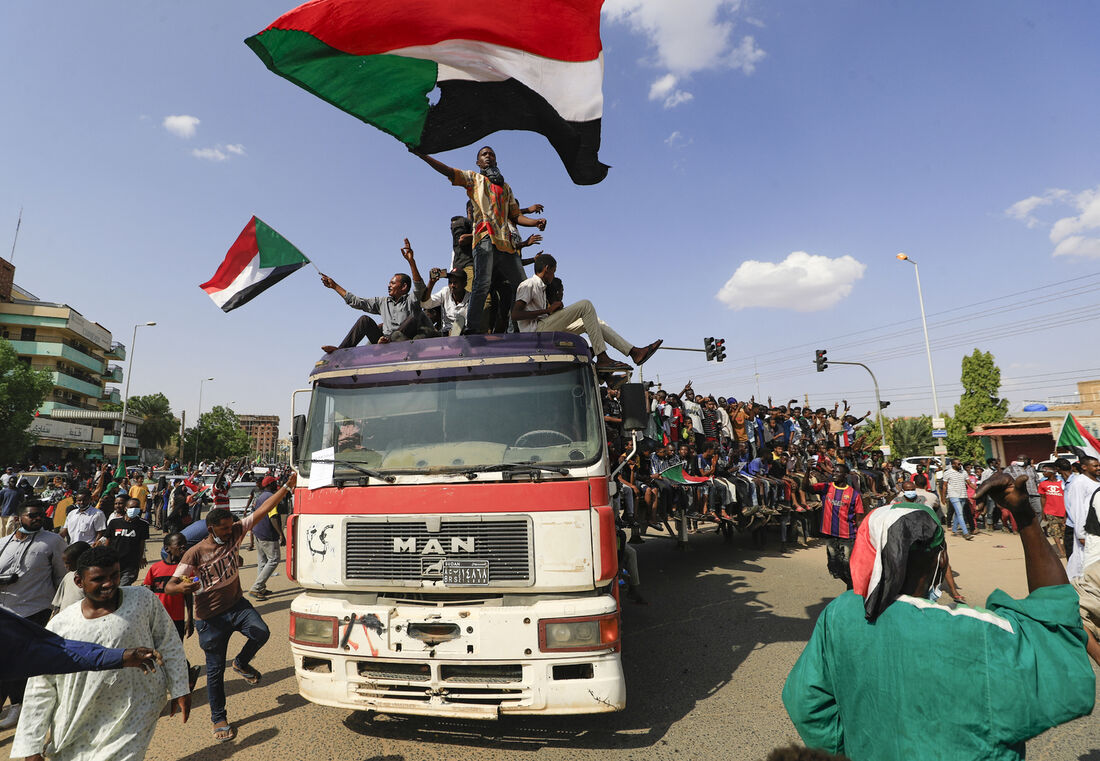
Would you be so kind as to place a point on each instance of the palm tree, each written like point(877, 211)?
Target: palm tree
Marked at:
point(912, 436)
point(159, 423)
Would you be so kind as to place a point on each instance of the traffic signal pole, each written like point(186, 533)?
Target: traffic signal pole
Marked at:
point(878, 398)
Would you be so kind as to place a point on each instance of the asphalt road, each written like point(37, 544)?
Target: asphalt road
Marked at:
point(705, 662)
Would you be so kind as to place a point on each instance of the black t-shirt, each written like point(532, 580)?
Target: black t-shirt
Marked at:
point(127, 538)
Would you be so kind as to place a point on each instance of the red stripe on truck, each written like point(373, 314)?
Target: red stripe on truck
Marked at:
point(447, 498)
point(609, 544)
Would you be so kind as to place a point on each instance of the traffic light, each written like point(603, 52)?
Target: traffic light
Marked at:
point(708, 347)
point(821, 360)
point(719, 349)
point(883, 405)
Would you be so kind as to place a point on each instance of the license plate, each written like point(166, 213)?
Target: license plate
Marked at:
point(468, 573)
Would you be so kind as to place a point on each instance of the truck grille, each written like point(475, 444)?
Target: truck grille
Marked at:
point(371, 554)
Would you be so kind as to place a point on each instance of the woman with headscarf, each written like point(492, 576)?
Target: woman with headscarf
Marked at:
point(873, 682)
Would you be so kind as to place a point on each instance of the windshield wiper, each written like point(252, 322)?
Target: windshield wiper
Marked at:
point(356, 466)
point(516, 467)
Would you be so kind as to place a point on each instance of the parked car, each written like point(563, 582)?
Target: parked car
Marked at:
point(909, 464)
point(239, 494)
point(39, 479)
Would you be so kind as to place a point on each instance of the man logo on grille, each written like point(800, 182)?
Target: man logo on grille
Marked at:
point(433, 546)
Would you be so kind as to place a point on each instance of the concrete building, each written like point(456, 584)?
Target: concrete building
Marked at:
point(264, 432)
point(78, 355)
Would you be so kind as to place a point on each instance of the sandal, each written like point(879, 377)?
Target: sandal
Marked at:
point(649, 351)
point(251, 675)
point(224, 734)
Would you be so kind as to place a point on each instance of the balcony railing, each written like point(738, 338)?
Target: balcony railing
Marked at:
point(113, 373)
point(117, 351)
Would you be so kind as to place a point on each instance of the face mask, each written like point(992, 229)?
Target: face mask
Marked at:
point(934, 590)
point(26, 531)
point(217, 540)
point(133, 512)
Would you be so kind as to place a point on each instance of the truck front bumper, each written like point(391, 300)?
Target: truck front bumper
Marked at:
point(493, 667)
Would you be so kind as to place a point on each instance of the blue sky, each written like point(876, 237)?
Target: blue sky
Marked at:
point(738, 134)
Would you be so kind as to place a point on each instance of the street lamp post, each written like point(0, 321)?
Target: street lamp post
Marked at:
point(126, 395)
point(924, 324)
point(198, 419)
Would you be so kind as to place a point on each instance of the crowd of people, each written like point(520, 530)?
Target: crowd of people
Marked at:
point(76, 552)
point(748, 464)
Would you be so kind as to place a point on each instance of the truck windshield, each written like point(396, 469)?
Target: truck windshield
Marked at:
point(549, 417)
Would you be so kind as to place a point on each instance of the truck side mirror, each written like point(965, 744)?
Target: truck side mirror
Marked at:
point(297, 431)
point(632, 396)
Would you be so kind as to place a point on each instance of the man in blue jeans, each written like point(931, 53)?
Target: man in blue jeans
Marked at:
point(954, 487)
point(495, 256)
point(211, 572)
point(267, 535)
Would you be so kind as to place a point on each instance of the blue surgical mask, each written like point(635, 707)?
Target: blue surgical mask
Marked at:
point(217, 540)
point(133, 512)
point(26, 531)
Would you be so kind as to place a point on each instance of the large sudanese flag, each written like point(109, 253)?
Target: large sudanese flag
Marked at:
point(257, 260)
point(532, 65)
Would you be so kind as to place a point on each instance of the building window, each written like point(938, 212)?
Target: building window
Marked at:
point(27, 334)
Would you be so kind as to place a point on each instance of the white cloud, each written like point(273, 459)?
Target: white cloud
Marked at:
point(802, 282)
point(181, 125)
point(1074, 235)
point(664, 88)
point(1078, 245)
point(210, 154)
point(688, 36)
point(219, 152)
point(677, 140)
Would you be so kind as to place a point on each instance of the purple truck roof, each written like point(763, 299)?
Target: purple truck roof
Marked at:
point(429, 349)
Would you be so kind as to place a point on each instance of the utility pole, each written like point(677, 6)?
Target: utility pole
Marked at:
point(756, 375)
point(18, 224)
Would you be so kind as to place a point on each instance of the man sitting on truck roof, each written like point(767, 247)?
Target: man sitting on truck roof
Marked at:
point(453, 300)
point(533, 314)
point(402, 317)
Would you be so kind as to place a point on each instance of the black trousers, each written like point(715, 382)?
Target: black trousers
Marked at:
point(367, 328)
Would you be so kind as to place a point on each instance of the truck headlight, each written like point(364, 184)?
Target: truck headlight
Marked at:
point(577, 634)
point(313, 630)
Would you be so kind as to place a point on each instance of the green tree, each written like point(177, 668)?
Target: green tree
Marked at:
point(911, 436)
point(979, 404)
point(158, 422)
point(22, 391)
point(218, 435)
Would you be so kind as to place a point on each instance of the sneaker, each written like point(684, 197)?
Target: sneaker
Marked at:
point(10, 716)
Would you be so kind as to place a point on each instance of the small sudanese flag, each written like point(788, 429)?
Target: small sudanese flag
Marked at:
point(532, 65)
point(257, 260)
point(1075, 436)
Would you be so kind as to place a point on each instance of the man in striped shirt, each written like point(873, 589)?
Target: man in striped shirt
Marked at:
point(954, 492)
point(841, 513)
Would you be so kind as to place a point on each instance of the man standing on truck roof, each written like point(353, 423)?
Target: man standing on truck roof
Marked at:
point(401, 315)
point(494, 206)
point(533, 314)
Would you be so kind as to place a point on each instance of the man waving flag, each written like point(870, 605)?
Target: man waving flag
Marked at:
point(497, 64)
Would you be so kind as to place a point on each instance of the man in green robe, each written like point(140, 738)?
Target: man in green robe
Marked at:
point(875, 684)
